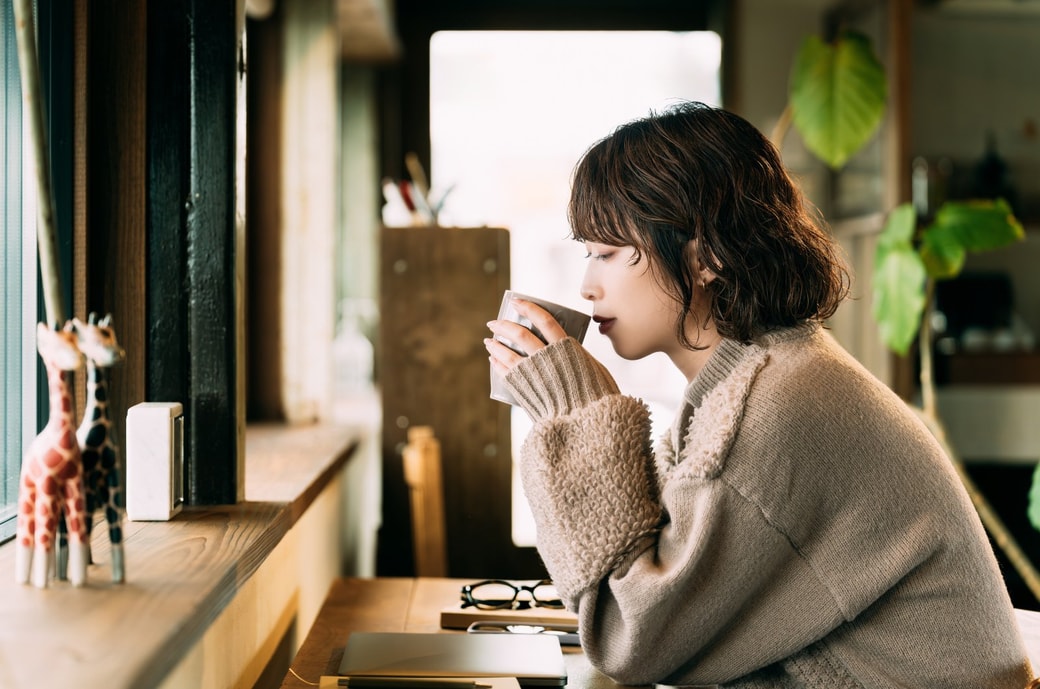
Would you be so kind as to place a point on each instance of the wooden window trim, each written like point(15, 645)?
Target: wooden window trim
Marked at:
point(161, 235)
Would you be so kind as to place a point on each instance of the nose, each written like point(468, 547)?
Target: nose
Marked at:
point(589, 287)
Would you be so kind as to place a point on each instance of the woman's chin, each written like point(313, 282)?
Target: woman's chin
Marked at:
point(628, 353)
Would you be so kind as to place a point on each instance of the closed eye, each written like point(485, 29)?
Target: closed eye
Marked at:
point(599, 257)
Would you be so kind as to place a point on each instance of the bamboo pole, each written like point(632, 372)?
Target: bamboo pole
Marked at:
point(929, 413)
point(924, 352)
point(29, 70)
point(780, 128)
point(990, 519)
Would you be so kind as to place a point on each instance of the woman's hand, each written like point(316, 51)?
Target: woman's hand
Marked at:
point(504, 358)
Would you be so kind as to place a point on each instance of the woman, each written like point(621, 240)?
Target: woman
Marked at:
point(797, 526)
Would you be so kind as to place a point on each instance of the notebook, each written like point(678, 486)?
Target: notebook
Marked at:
point(535, 660)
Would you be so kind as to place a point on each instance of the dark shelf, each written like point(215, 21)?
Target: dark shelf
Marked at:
point(990, 368)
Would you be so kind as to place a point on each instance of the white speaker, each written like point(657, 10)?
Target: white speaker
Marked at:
point(154, 461)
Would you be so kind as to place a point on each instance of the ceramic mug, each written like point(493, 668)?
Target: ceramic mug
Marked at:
point(574, 323)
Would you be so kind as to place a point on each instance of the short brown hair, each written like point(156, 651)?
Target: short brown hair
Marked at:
point(695, 173)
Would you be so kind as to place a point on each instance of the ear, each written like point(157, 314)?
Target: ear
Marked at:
point(704, 276)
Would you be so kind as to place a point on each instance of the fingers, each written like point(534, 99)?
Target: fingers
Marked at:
point(543, 321)
point(502, 358)
point(516, 337)
point(513, 341)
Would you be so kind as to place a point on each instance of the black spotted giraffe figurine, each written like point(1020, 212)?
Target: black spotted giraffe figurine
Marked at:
point(96, 436)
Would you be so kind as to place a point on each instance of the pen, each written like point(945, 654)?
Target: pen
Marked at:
point(406, 683)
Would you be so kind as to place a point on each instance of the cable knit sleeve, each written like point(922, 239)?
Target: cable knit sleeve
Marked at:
point(588, 479)
point(587, 466)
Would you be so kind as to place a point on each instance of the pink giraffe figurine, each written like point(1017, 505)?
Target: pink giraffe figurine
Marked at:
point(52, 472)
point(97, 441)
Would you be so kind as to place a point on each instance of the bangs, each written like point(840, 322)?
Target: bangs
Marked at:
point(598, 211)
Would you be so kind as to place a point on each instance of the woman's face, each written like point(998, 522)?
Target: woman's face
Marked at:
point(632, 310)
point(637, 315)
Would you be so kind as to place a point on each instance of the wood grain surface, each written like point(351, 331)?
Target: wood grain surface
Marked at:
point(181, 575)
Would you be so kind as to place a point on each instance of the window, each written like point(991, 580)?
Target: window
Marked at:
point(510, 114)
point(18, 279)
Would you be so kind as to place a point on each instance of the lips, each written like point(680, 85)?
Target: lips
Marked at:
point(605, 324)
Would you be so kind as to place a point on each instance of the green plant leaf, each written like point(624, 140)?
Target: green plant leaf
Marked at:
point(837, 95)
point(899, 228)
point(901, 270)
point(942, 253)
point(899, 281)
point(961, 227)
point(1033, 510)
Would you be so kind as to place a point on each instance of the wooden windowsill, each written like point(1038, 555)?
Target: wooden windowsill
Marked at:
point(180, 574)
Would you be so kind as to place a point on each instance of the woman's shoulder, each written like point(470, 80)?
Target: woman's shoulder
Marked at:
point(810, 355)
point(812, 387)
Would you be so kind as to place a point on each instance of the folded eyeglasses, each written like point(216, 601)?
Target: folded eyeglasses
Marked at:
point(499, 594)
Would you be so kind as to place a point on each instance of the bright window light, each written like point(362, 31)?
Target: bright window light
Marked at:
point(17, 280)
point(511, 112)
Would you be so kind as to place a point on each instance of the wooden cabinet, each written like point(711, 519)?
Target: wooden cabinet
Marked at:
point(438, 289)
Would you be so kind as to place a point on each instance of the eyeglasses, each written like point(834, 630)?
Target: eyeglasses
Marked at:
point(499, 594)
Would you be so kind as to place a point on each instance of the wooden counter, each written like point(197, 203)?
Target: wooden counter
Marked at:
point(391, 604)
point(413, 605)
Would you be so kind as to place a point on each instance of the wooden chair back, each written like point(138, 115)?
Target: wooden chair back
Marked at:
point(422, 473)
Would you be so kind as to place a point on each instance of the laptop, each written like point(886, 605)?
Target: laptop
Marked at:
point(534, 660)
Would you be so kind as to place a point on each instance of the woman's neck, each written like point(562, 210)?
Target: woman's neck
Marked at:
point(691, 361)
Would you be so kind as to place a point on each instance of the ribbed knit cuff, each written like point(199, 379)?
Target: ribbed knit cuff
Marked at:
point(558, 379)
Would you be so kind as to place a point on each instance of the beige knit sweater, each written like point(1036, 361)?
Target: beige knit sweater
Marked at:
point(797, 527)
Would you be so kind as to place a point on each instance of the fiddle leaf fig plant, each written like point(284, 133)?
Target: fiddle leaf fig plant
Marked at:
point(909, 259)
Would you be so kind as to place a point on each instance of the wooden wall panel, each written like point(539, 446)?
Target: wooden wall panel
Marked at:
point(438, 289)
point(292, 201)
